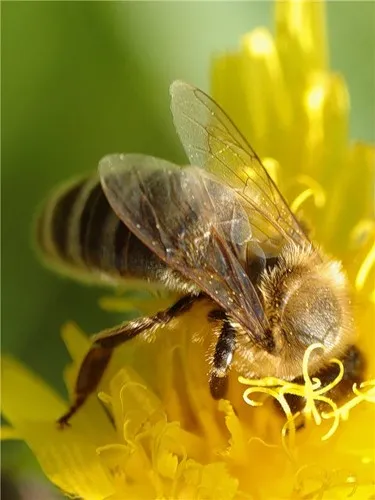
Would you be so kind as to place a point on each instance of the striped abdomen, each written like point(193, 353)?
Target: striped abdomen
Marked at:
point(78, 233)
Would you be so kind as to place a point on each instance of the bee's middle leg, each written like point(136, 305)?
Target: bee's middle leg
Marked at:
point(222, 360)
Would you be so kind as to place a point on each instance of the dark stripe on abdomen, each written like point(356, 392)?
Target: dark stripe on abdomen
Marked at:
point(94, 217)
point(52, 221)
point(77, 227)
point(132, 257)
point(61, 217)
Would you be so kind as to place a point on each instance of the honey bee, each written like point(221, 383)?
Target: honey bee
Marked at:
point(218, 230)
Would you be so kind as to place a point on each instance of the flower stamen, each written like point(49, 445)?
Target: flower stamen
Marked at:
point(312, 391)
point(365, 268)
point(314, 190)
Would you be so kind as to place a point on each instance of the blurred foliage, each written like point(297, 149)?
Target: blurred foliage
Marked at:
point(83, 79)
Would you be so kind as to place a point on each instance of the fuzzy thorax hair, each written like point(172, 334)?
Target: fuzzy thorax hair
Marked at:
point(305, 299)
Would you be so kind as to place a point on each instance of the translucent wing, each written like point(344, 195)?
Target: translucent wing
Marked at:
point(212, 141)
point(192, 222)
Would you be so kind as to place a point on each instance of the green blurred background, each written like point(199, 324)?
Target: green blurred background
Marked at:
point(82, 79)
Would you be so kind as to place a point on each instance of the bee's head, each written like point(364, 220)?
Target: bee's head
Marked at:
point(306, 302)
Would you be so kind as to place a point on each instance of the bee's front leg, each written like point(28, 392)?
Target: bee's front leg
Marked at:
point(222, 359)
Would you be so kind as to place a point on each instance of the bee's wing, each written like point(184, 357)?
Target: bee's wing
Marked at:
point(192, 222)
point(213, 142)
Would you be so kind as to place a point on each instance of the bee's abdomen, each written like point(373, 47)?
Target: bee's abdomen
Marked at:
point(77, 231)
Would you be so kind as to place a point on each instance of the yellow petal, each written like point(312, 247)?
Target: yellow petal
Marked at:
point(146, 305)
point(226, 89)
point(213, 481)
point(326, 102)
point(24, 395)
point(237, 450)
point(8, 432)
point(133, 404)
point(301, 35)
point(264, 94)
point(68, 457)
point(352, 198)
point(76, 341)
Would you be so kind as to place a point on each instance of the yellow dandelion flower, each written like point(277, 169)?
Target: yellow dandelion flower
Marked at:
point(154, 431)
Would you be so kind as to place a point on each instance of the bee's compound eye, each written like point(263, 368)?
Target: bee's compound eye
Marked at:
point(313, 314)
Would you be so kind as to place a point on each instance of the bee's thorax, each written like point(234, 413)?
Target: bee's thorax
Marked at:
point(306, 301)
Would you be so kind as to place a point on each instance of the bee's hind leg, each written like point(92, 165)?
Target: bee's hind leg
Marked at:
point(100, 353)
point(222, 359)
